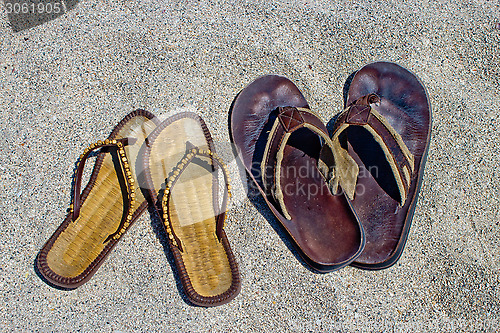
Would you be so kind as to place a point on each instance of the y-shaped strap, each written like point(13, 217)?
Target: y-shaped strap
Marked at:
point(362, 112)
point(289, 120)
point(174, 177)
point(76, 204)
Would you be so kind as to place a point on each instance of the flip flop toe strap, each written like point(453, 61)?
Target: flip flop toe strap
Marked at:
point(363, 112)
point(172, 180)
point(287, 121)
point(76, 203)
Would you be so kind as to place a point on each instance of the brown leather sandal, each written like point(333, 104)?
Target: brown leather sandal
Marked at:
point(103, 212)
point(181, 174)
point(286, 150)
point(386, 128)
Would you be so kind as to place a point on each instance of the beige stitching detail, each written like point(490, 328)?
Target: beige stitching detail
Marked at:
point(308, 111)
point(406, 152)
point(346, 169)
point(264, 161)
point(392, 162)
point(406, 172)
point(277, 180)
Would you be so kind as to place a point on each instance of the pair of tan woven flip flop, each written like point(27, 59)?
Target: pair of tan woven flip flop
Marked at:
point(345, 197)
point(171, 165)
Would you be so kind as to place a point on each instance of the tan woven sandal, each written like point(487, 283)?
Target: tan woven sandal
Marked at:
point(181, 174)
point(104, 211)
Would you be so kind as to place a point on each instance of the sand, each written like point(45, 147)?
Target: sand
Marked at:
point(65, 83)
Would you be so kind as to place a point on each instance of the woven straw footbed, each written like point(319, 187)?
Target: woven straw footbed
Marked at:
point(83, 240)
point(192, 206)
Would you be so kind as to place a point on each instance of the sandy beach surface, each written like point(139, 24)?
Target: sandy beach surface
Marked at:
point(65, 83)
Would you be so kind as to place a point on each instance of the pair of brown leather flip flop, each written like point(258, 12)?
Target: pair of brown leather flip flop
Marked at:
point(345, 198)
point(170, 165)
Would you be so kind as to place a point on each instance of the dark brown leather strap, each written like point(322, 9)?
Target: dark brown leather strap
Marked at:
point(362, 112)
point(288, 120)
point(76, 205)
point(175, 175)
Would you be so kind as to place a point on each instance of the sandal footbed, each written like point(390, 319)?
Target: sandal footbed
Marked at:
point(404, 104)
point(77, 248)
point(324, 229)
point(206, 265)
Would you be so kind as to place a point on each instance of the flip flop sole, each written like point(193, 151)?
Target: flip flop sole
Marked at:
point(206, 264)
point(323, 227)
point(405, 106)
point(76, 250)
